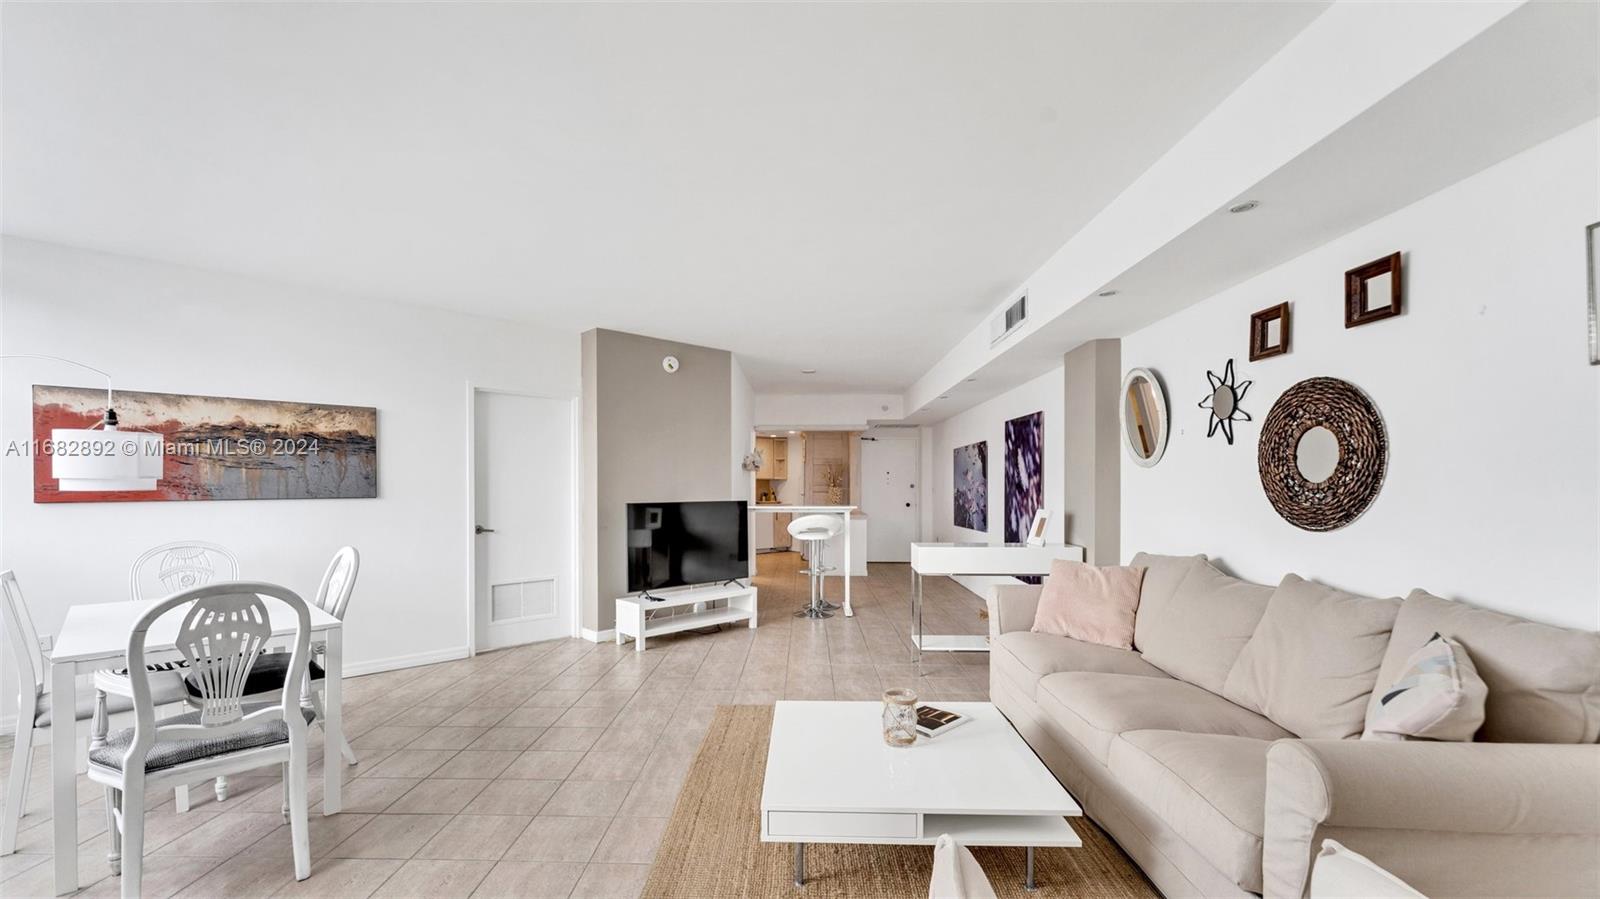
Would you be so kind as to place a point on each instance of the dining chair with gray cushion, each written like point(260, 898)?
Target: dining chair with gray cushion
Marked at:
point(270, 673)
point(37, 710)
point(225, 627)
point(164, 570)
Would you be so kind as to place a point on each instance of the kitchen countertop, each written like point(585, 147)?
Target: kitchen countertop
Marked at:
point(785, 507)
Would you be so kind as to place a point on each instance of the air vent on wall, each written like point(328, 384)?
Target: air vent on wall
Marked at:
point(1001, 326)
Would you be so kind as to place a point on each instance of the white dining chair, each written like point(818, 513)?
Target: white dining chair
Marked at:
point(166, 569)
point(221, 636)
point(271, 670)
point(37, 710)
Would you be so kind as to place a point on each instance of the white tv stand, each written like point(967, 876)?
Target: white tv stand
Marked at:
point(632, 620)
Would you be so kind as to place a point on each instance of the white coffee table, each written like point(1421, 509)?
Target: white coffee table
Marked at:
point(831, 779)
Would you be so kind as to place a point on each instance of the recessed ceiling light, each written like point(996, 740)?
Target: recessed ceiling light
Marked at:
point(808, 371)
point(1106, 293)
point(794, 432)
point(1246, 206)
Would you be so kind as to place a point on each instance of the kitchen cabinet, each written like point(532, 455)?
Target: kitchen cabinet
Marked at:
point(774, 458)
point(761, 529)
point(780, 529)
point(780, 458)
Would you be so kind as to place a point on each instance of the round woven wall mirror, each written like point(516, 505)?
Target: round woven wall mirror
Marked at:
point(1323, 454)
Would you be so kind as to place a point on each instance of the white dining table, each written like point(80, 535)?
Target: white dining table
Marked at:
point(95, 637)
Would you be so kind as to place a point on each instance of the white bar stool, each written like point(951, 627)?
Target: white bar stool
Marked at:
point(815, 530)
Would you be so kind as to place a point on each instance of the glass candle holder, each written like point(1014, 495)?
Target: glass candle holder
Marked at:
point(899, 717)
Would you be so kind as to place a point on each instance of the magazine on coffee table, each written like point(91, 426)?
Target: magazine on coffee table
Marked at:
point(932, 722)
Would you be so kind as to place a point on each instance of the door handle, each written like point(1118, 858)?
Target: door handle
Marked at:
point(480, 529)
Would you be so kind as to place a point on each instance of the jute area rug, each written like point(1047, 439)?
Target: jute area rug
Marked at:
point(712, 846)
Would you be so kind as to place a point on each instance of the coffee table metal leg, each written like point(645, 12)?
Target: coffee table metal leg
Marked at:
point(1030, 884)
point(800, 864)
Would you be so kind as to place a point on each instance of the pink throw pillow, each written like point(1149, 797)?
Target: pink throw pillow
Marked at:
point(1089, 603)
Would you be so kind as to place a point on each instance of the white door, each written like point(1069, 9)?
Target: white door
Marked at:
point(523, 500)
point(889, 477)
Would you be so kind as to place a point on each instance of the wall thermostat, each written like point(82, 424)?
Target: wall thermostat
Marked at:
point(669, 364)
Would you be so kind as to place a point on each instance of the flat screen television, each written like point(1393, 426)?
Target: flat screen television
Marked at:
point(678, 544)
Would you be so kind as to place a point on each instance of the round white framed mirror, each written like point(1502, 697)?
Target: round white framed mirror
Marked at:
point(1144, 417)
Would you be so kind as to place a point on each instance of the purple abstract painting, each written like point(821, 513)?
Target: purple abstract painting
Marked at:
point(972, 486)
point(1024, 474)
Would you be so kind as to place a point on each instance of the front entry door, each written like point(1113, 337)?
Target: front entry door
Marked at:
point(889, 477)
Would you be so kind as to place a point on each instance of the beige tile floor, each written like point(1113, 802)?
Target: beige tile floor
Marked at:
point(547, 770)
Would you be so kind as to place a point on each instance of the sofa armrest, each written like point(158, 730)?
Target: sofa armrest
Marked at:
point(1012, 607)
point(1450, 819)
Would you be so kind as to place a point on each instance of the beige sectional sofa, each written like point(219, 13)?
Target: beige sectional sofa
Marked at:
point(1224, 747)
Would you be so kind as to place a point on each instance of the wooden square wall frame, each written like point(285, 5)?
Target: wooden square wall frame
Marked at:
point(1355, 291)
point(1259, 349)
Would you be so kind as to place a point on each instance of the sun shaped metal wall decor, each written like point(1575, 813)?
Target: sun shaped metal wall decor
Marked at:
point(1223, 401)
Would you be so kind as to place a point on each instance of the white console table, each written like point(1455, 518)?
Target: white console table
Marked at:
point(946, 559)
point(632, 620)
point(843, 512)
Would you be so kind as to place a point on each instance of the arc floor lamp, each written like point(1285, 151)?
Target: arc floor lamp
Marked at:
point(102, 458)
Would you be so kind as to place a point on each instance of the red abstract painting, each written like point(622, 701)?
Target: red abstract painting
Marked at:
point(219, 448)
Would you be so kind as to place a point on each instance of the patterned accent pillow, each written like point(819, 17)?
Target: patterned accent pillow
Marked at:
point(1438, 696)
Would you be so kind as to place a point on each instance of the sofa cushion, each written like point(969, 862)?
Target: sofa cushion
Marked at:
point(1092, 603)
point(1162, 575)
point(1023, 657)
point(1094, 708)
point(1197, 632)
point(1544, 681)
point(1210, 788)
point(1313, 661)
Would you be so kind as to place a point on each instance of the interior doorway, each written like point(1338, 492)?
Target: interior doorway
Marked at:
point(524, 583)
point(891, 463)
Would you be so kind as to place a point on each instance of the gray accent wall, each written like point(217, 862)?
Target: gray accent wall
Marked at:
point(1093, 500)
point(648, 436)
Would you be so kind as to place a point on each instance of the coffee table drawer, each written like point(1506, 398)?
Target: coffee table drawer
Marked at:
point(842, 824)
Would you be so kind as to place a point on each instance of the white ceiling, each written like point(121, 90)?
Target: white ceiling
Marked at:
point(843, 187)
point(1532, 76)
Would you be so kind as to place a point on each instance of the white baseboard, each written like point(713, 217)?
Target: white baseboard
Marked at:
point(606, 636)
point(394, 663)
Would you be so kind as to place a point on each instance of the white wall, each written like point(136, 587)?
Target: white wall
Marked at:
point(1491, 410)
point(743, 431)
point(826, 411)
point(166, 328)
point(986, 421)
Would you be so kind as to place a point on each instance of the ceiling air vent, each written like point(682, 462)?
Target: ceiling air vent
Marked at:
point(1001, 326)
